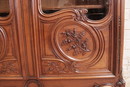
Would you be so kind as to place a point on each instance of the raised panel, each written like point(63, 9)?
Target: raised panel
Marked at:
point(77, 47)
point(10, 60)
point(8, 56)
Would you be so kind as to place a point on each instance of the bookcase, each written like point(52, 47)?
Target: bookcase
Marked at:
point(61, 43)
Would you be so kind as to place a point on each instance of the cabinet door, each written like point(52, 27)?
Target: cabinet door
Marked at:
point(12, 45)
point(77, 42)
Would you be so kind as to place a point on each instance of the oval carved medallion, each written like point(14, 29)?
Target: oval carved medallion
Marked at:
point(77, 42)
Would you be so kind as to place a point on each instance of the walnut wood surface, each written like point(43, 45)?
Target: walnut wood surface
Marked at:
point(62, 49)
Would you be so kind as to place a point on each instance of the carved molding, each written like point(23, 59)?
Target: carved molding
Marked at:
point(3, 43)
point(9, 68)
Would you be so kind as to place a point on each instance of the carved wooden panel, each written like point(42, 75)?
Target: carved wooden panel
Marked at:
point(75, 45)
point(67, 46)
point(10, 65)
point(70, 45)
point(8, 54)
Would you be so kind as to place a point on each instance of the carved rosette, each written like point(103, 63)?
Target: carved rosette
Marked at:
point(77, 44)
point(2, 42)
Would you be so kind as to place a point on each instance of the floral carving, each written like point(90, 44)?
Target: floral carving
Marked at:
point(75, 41)
point(9, 67)
point(59, 67)
point(51, 67)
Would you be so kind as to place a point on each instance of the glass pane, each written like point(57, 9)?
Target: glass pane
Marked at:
point(60, 4)
point(97, 9)
point(4, 8)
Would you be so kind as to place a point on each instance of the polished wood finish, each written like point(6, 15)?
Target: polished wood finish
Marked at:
point(61, 49)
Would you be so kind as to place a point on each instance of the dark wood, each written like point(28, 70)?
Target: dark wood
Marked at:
point(65, 48)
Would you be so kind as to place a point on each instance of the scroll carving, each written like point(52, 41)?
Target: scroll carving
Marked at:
point(9, 67)
point(80, 14)
point(54, 67)
point(75, 41)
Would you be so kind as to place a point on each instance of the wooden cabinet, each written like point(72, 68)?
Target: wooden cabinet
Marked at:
point(61, 43)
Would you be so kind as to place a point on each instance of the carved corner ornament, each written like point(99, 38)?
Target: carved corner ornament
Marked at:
point(81, 14)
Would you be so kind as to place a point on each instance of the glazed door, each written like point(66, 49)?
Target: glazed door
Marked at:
point(77, 42)
point(13, 64)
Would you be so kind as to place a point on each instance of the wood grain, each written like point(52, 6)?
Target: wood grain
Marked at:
point(65, 48)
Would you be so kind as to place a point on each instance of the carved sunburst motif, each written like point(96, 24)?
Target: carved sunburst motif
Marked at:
point(74, 40)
